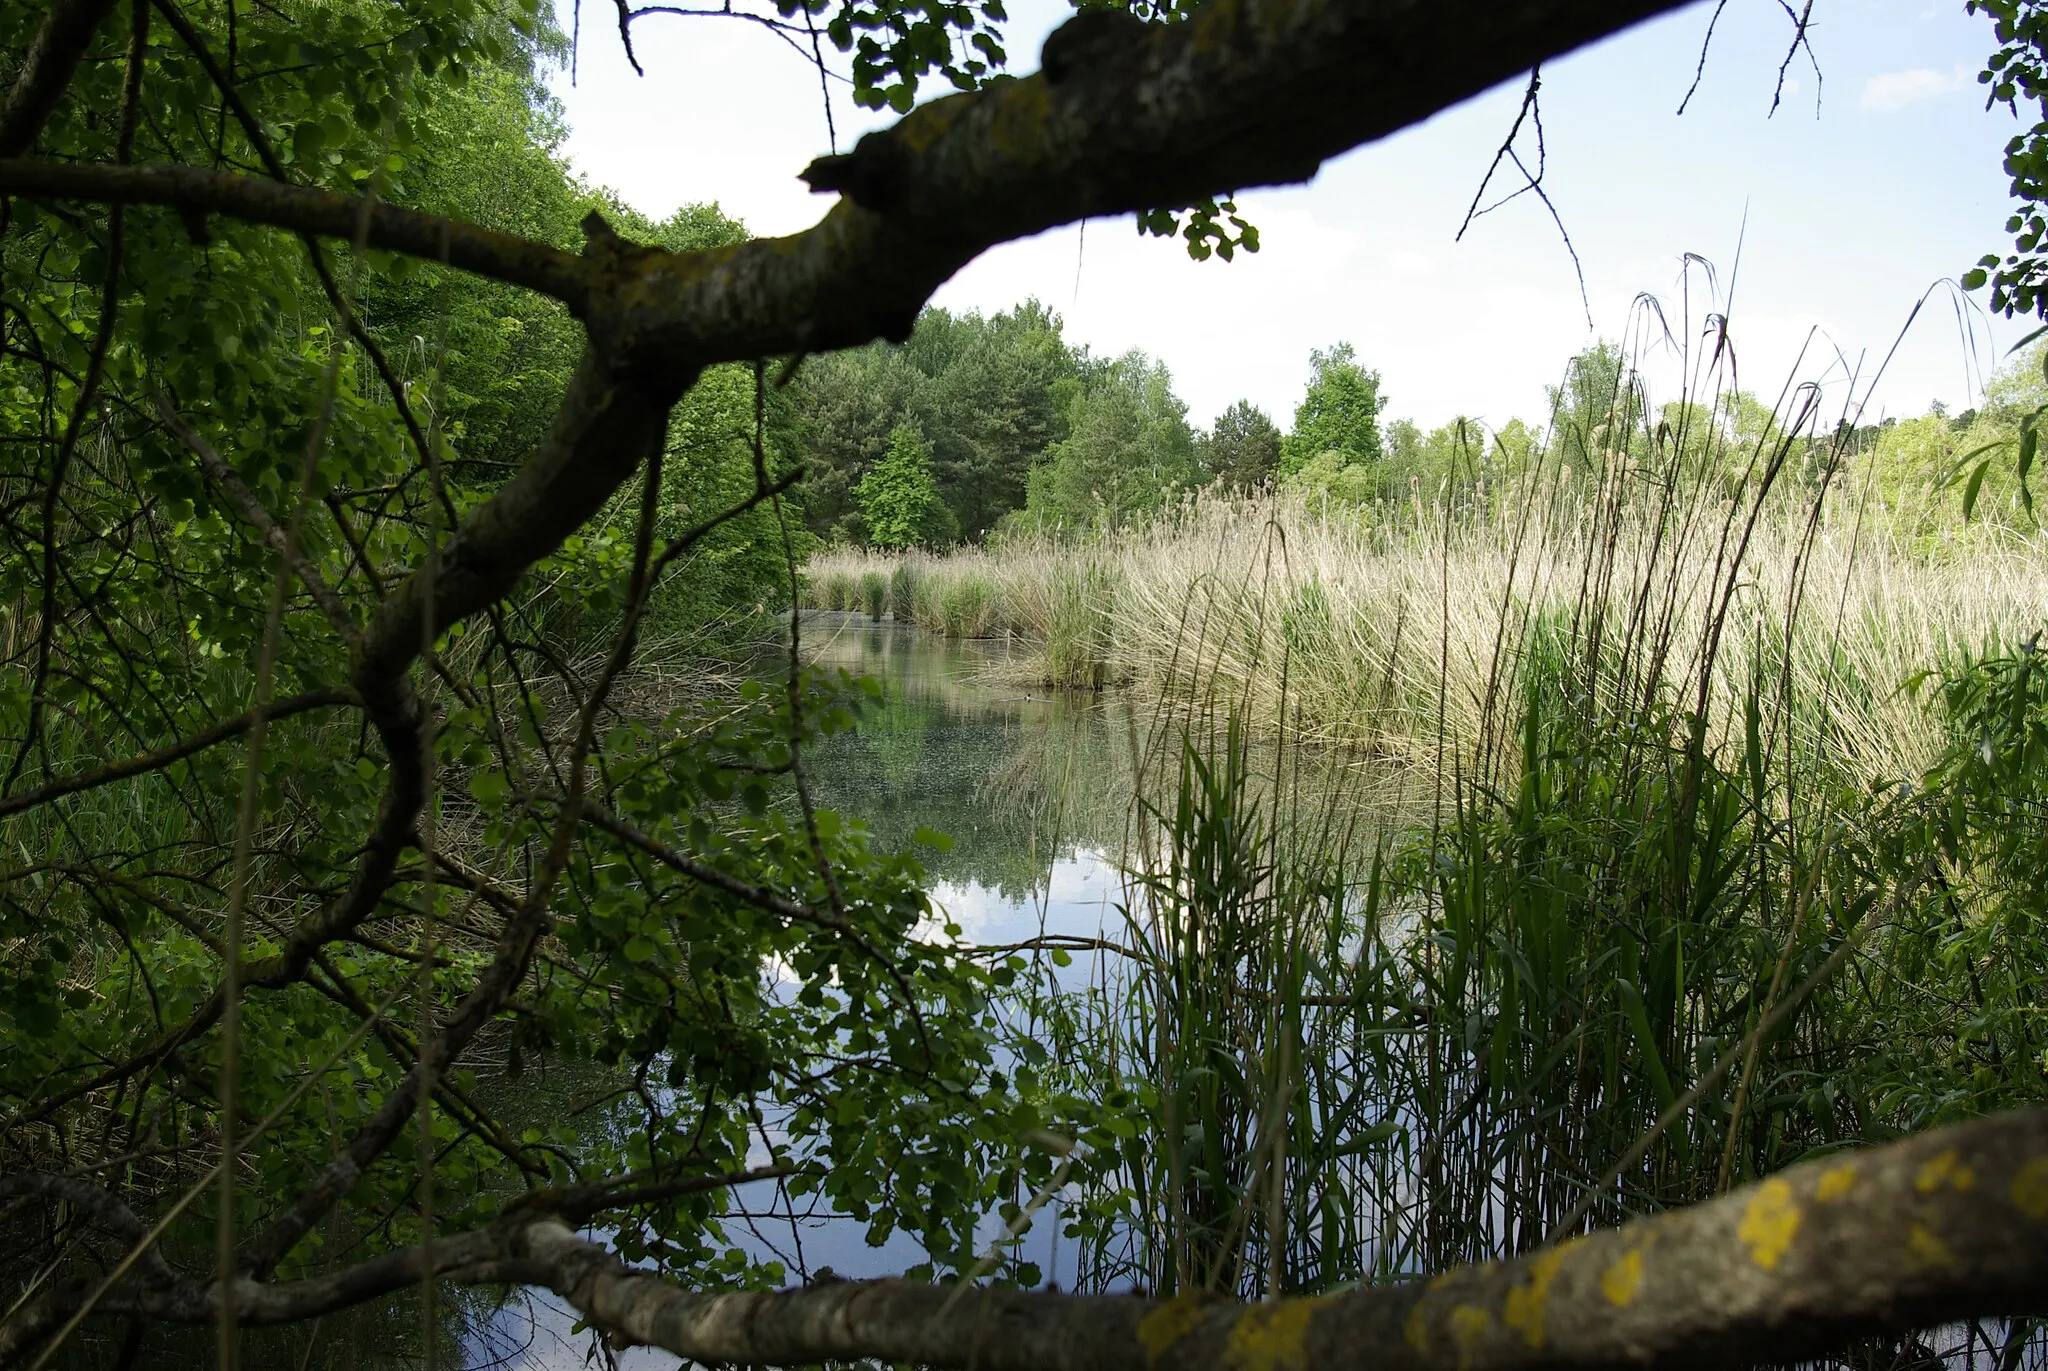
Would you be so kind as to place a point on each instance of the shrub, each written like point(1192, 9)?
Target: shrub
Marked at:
point(970, 607)
point(903, 585)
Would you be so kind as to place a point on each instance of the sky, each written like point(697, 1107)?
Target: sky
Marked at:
point(1817, 228)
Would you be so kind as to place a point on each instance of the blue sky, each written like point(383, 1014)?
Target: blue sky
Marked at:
point(1852, 213)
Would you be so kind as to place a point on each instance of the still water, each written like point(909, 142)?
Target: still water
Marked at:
point(1034, 790)
point(1033, 787)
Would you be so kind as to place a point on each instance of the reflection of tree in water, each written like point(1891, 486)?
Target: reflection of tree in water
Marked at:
point(1017, 779)
point(936, 753)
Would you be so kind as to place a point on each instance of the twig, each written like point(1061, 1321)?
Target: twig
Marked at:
point(1531, 111)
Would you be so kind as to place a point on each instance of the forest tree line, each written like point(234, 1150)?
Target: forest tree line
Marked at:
point(986, 426)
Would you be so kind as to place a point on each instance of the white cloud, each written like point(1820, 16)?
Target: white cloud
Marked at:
point(1894, 90)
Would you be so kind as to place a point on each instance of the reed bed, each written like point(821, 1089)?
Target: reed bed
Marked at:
point(874, 593)
point(1727, 862)
point(1385, 634)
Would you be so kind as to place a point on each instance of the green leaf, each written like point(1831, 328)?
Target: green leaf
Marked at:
point(1976, 484)
point(1368, 1138)
point(490, 787)
point(1639, 1020)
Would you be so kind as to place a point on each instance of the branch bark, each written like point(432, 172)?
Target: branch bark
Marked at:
point(1948, 1225)
point(195, 190)
point(1945, 1226)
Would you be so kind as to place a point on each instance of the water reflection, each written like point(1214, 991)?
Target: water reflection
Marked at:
point(1035, 790)
point(1032, 788)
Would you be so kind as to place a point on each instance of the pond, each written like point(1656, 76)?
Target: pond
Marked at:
point(1033, 788)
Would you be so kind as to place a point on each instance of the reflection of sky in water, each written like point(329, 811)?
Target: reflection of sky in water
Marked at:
point(1078, 898)
point(956, 748)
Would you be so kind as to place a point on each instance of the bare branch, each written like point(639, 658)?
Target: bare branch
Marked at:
point(626, 36)
point(1532, 182)
point(1699, 72)
point(1801, 21)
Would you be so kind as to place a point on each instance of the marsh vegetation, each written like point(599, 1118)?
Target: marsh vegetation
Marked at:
point(445, 861)
point(1571, 840)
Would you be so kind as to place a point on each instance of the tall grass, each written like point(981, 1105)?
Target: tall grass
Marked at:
point(1707, 878)
point(903, 589)
point(1067, 610)
point(835, 590)
point(970, 607)
point(1386, 636)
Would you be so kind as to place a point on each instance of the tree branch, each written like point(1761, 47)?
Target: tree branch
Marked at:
point(485, 252)
point(1948, 1225)
point(1945, 1226)
point(704, 874)
point(52, 59)
point(102, 1205)
point(578, 1204)
point(176, 752)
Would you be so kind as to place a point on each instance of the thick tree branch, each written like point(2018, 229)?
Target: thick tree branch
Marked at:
point(1249, 92)
point(1945, 1226)
point(52, 59)
point(1948, 1225)
point(102, 1205)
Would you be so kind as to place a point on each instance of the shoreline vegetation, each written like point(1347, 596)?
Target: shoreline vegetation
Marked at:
point(1377, 630)
point(1734, 748)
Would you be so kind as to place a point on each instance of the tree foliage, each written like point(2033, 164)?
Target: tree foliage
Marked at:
point(1128, 450)
point(898, 496)
point(1243, 447)
point(331, 762)
point(983, 391)
point(2017, 71)
point(1339, 414)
